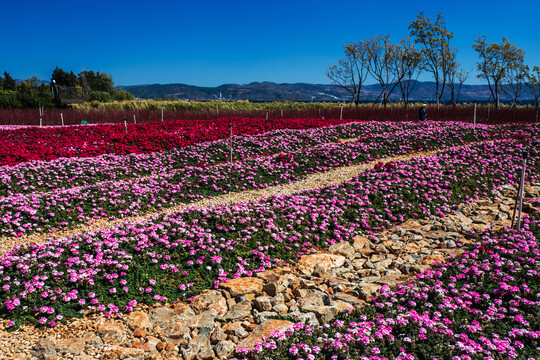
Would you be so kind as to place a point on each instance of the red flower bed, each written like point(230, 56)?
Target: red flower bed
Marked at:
point(34, 143)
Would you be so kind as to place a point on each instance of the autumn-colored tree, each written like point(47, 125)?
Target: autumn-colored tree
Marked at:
point(438, 56)
point(496, 61)
point(456, 78)
point(351, 71)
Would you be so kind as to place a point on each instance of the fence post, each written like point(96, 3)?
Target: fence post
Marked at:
point(267, 115)
point(341, 112)
point(282, 113)
point(125, 124)
point(488, 110)
point(217, 110)
point(474, 116)
point(162, 114)
point(519, 198)
point(230, 141)
point(62, 117)
point(134, 119)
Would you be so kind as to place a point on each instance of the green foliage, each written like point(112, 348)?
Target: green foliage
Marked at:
point(101, 96)
point(93, 81)
point(9, 82)
point(123, 95)
point(63, 78)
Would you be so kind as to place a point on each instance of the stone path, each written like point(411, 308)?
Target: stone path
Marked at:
point(239, 313)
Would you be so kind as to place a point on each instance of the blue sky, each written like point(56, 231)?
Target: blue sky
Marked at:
point(208, 43)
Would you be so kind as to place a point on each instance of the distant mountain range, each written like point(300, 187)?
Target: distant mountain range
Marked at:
point(270, 91)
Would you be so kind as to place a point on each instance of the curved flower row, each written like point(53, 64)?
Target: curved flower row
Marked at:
point(65, 173)
point(485, 305)
point(181, 254)
point(26, 213)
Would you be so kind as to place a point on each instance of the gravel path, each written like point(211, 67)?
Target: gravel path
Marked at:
point(315, 181)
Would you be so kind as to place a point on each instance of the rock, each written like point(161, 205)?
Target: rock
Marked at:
point(177, 331)
point(139, 333)
point(92, 340)
point(235, 329)
point(262, 303)
point(113, 333)
point(162, 317)
point(169, 347)
point(263, 316)
point(353, 300)
point(265, 329)
point(206, 321)
point(342, 248)
point(120, 352)
point(243, 285)
point(138, 320)
point(217, 334)
point(450, 244)
point(384, 264)
point(324, 314)
point(70, 346)
point(238, 311)
point(430, 259)
point(278, 299)
point(361, 242)
point(205, 349)
point(368, 290)
point(44, 349)
point(281, 309)
point(151, 344)
point(183, 309)
point(327, 261)
point(313, 297)
point(305, 318)
point(410, 248)
point(224, 349)
point(211, 300)
point(272, 289)
point(319, 271)
point(160, 346)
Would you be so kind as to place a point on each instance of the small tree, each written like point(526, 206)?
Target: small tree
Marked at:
point(351, 71)
point(434, 39)
point(496, 60)
point(381, 57)
point(533, 84)
point(515, 79)
point(456, 78)
point(9, 82)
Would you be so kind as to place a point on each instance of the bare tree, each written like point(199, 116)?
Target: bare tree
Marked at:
point(434, 38)
point(456, 78)
point(515, 79)
point(496, 60)
point(407, 65)
point(380, 56)
point(350, 72)
point(533, 85)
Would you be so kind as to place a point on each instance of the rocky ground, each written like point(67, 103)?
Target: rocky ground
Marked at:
point(313, 291)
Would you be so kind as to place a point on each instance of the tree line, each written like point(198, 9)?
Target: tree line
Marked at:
point(31, 93)
point(397, 66)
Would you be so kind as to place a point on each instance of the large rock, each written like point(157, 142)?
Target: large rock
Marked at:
point(224, 348)
point(313, 297)
point(211, 300)
point(138, 320)
point(44, 349)
point(265, 329)
point(342, 248)
point(368, 290)
point(243, 285)
point(238, 311)
point(70, 346)
point(324, 314)
point(326, 261)
point(361, 242)
point(113, 333)
point(351, 299)
point(162, 316)
point(120, 352)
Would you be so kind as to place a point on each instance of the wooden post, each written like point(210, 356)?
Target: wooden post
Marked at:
point(267, 115)
point(282, 113)
point(341, 112)
point(162, 114)
point(488, 110)
point(40, 116)
point(217, 110)
point(125, 124)
point(62, 117)
point(134, 119)
point(474, 116)
point(230, 137)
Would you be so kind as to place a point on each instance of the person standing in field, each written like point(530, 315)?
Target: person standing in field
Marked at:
point(422, 115)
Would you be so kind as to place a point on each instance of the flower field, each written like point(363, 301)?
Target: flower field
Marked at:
point(22, 144)
point(454, 310)
point(44, 196)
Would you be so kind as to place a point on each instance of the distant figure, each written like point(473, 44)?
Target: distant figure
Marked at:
point(422, 115)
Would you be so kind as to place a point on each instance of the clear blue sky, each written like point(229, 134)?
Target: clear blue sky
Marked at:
point(208, 43)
